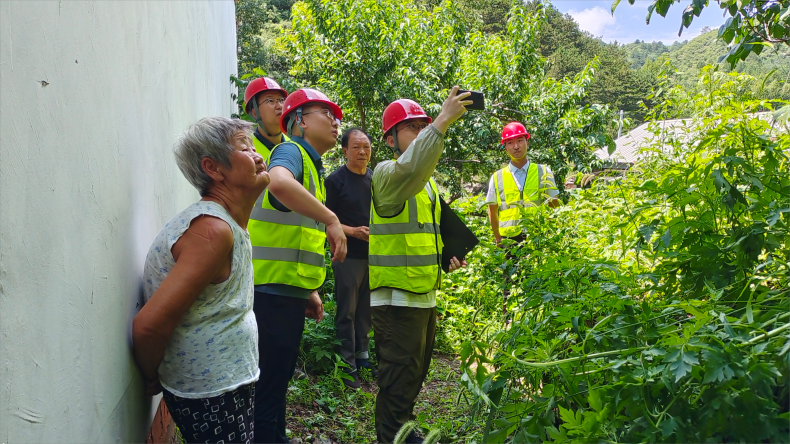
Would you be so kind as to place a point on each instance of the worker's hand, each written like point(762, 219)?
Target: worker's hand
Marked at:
point(456, 264)
point(452, 108)
point(498, 240)
point(362, 233)
point(337, 241)
point(315, 308)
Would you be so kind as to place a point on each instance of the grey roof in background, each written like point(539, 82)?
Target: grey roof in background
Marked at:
point(629, 145)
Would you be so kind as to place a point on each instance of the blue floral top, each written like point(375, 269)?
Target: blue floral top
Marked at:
point(214, 349)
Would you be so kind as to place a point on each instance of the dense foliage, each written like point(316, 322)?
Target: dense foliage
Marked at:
point(653, 309)
point(770, 70)
point(752, 26)
point(369, 53)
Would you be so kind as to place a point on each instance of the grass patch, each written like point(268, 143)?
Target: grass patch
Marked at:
point(320, 409)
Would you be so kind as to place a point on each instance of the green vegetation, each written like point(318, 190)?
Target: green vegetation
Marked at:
point(365, 55)
point(656, 308)
point(754, 25)
point(653, 308)
point(770, 70)
point(568, 49)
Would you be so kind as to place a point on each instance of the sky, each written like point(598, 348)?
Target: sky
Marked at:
point(628, 23)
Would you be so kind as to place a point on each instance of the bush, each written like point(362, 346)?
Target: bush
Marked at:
point(652, 309)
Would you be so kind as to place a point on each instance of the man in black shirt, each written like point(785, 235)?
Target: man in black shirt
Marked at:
point(348, 196)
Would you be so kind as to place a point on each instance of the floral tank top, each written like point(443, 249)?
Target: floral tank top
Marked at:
point(214, 349)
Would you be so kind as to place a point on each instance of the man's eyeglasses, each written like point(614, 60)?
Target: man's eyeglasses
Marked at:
point(324, 111)
point(414, 126)
point(271, 102)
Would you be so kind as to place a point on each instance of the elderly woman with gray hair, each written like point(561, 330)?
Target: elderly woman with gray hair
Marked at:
point(196, 337)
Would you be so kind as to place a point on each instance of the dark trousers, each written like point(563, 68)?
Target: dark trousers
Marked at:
point(224, 418)
point(352, 291)
point(404, 344)
point(510, 266)
point(280, 325)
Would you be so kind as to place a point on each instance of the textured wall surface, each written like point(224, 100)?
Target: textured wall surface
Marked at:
point(93, 95)
point(163, 429)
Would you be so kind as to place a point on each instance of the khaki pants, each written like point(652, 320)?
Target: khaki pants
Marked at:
point(404, 344)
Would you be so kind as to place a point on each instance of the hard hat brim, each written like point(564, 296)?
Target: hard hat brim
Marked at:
point(336, 110)
point(387, 131)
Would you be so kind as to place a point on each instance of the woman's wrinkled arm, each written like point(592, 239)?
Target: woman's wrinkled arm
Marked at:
point(203, 256)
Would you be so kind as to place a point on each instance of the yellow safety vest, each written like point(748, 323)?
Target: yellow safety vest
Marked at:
point(288, 248)
point(514, 203)
point(406, 249)
point(262, 149)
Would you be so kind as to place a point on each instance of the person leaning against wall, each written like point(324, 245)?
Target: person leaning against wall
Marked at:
point(348, 196)
point(289, 262)
point(196, 337)
point(515, 190)
point(405, 256)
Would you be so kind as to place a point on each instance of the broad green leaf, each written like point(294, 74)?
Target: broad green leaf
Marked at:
point(573, 419)
point(680, 362)
point(595, 400)
point(775, 215)
point(717, 367)
point(666, 238)
point(668, 427)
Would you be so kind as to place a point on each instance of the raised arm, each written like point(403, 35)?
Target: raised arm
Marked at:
point(394, 182)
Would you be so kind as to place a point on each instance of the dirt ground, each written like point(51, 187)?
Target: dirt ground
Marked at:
point(317, 414)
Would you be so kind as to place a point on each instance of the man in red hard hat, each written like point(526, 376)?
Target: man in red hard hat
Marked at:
point(517, 189)
point(289, 260)
point(263, 100)
point(405, 256)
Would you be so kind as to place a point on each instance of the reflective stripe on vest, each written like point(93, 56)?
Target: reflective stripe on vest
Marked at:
point(514, 203)
point(405, 249)
point(288, 248)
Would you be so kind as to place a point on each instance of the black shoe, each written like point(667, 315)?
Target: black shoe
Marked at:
point(352, 383)
point(298, 374)
point(364, 363)
point(414, 437)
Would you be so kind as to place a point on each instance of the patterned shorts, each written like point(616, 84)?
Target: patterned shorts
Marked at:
point(227, 418)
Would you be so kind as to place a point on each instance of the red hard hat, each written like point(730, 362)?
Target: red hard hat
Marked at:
point(400, 110)
point(302, 97)
point(513, 130)
point(260, 85)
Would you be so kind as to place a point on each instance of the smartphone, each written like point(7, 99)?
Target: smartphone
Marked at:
point(477, 98)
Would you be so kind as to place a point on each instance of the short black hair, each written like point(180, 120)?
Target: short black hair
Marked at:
point(347, 135)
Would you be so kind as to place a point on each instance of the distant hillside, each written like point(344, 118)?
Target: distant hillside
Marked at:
point(639, 52)
point(690, 56)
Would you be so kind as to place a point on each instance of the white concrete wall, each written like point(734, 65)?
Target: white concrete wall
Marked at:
point(87, 179)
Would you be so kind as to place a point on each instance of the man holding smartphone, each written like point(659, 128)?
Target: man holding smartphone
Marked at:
point(405, 256)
